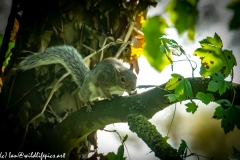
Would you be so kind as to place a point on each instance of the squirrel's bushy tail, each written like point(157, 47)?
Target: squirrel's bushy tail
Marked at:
point(65, 55)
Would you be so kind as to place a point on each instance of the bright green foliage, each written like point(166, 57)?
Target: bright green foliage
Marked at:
point(171, 97)
point(8, 53)
point(235, 21)
point(191, 107)
point(229, 114)
point(213, 58)
point(183, 14)
point(205, 98)
point(182, 86)
point(184, 90)
point(173, 82)
point(153, 29)
point(183, 146)
point(217, 83)
point(170, 46)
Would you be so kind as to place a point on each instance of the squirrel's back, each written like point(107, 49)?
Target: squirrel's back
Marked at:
point(65, 55)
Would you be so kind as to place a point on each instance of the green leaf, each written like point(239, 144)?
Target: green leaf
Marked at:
point(216, 42)
point(112, 156)
point(153, 29)
point(235, 21)
point(205, 98)
point(218, 83)
point(124, 139)
point(183, 14)
point(173, 82)
point(184, 88)
point(170, 46)
point(228, 114)
point(120, 152)
point(182, 147)
point(191, 107)
point(213, 58)
point(171, 97)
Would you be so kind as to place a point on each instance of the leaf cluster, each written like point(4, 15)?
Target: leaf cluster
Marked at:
point(181, 86)
point(228, 114)
point(213, 58)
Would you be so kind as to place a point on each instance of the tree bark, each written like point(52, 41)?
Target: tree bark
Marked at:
point(79, 124)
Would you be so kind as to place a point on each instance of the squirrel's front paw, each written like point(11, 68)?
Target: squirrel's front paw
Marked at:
point(89, 108)
point(113, 96)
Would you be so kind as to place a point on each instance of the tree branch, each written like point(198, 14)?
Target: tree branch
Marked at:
point(79, 124)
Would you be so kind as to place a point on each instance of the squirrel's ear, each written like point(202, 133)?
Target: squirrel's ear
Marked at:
point(117, 72)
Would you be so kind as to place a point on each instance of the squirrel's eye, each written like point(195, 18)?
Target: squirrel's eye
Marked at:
point(123, 79)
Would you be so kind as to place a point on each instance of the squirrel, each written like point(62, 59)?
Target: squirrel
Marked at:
point(109, 77)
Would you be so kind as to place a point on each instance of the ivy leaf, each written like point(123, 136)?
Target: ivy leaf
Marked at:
point(218, 83)
point(213, 58)
point(182, 147)
point(183, 14)
point(191, 107)
point(229, 114)
point(173, 82)
point(171, 97)
point(153, 29)
point(235, 21)
point(205, 98)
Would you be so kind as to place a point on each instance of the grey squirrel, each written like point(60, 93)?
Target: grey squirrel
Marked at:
point(109, 77)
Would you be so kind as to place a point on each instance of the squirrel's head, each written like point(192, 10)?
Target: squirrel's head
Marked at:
point(126, 79)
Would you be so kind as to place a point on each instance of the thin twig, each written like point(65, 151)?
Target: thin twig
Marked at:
point(24, 95)
point(172, 119)
point(52, 111)
point(63, 38)
point(10, 92)
point(91, 55)
point(26, 51)
point(234, 94)
point(123, 46)
point(87, 47)
point(126, 38)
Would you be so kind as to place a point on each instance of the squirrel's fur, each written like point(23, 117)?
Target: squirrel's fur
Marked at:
point(64, 55)
point(109, 77)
